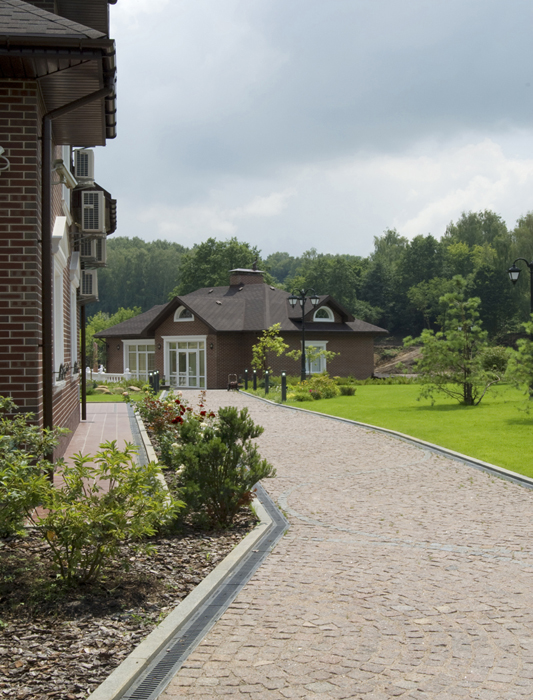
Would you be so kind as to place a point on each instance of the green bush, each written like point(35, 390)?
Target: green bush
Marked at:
point(24, 453)
point(300, 396)
point(220, 463)
point(347, 390)
point(320, 386)
point(102, 502)
point(495, 359)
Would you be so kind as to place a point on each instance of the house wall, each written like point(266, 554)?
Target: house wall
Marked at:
point(21, 372)
point(355, 354)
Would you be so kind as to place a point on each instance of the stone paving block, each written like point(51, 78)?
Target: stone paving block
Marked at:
point(404, 574)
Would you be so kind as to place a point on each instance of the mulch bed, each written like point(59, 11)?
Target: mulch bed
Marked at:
point(62, 643)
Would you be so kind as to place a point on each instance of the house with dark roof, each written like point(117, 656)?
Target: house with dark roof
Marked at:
point(58, 100)
point(197, 340)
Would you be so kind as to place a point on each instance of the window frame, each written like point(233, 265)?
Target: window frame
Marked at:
point(180, 310)
point(329, 319)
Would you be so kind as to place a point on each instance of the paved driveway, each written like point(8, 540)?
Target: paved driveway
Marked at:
point(403, 574)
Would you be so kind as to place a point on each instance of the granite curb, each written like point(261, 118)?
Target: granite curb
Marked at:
point(123, 677)
point(501, 472)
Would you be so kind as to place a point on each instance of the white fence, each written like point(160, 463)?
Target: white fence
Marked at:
point(107, 377)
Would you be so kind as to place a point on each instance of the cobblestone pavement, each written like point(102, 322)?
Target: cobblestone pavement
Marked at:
point(404, 574)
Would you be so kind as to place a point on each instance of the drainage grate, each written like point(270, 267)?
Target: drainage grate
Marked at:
point(166, 664)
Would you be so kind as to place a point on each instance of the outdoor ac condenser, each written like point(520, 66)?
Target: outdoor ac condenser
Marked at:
point(92, 211)
point(84, 165)
point(93, 250)
point(89, 284)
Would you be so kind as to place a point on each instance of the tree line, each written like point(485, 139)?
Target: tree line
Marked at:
point(398, 286)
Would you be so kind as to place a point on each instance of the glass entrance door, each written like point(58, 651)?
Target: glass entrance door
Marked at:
point(187, 364)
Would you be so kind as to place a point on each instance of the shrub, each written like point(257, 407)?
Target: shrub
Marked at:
point(347, 390)
point(300, 396)
point(220, 463)
point(103, 501)
point(495, 359)
point(320, 386)
point(24, 449)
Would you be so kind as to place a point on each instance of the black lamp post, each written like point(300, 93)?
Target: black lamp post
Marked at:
point(302, 298)
point(514, 274)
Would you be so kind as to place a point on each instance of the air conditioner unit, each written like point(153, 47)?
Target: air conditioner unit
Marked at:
point(93, 250)
point(84, 165)
point(92, 211)
point(89, 284)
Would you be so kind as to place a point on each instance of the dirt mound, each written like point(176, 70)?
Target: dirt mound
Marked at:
point(397, 360)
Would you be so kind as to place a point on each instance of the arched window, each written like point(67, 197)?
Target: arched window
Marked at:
point(183, 314)
point(324, 314)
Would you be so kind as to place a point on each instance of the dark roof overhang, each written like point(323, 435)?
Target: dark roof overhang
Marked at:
point(309, 310)
point(68, 69)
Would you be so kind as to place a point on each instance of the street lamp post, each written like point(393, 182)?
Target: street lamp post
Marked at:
point(514, 274)
point(301, 298)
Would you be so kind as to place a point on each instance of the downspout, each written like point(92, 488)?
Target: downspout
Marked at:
point(46, 242)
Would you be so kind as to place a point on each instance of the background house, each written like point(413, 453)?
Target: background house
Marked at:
point(57, 87)
point(197, 340)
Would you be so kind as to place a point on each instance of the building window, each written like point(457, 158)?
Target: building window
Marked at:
point(324, 314)
point(185, 361)
point(183, 314)
point(139, 359)
point(318, 365)
point(73, 327)
point(59, 340)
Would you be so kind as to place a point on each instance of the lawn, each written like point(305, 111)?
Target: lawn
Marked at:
point(114, 398)
point(496, 431)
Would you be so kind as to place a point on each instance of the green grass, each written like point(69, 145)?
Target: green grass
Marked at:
point(114, 398)
point(496, 431)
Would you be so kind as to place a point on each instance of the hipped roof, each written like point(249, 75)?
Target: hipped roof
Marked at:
point(249, 308)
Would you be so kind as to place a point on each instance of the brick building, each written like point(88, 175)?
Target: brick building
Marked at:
point(197, 340)
point(57, 99)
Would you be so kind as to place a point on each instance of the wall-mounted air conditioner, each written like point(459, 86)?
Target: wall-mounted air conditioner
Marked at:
point(84, 166)
point(93, 250)
point(89, 284)
point(92, 211)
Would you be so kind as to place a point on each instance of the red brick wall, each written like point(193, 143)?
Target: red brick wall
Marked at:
point(20, 260)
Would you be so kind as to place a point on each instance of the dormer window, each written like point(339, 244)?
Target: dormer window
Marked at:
point(183, 314)
point(324, 314)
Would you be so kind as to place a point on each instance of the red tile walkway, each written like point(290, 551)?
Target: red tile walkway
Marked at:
point(105, 421)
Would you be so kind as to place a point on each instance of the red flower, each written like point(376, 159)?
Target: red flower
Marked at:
point(203, 413)
point(177, 401)
point(211, 415)
point(177, 419)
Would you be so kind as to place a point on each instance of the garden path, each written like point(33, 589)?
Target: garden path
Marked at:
point(105, 422)
point(403, 574)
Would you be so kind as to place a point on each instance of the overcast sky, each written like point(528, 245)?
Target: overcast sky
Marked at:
point(294, 124)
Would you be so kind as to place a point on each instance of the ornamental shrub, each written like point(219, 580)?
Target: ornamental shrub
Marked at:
point(220, 463)
point(347, 390)
point(102, 501)
point(24, 452)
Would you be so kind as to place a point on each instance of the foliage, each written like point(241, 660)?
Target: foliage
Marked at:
point(520, 367)
point(312, 354)
point(220, 463)
point(99, 503)
point(451, 359)
point(269, 342)
point(347, 390)
point(318, 386)
point(25, 450)
point(138, 274)
point(208, 264)
point(100, 322)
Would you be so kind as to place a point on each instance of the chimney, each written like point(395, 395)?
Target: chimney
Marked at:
point(240, 276)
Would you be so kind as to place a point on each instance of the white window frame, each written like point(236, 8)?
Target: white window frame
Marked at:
point(126, 345)
point(177, 313)
point(322, 364)
point(329, 319)
point(60, 252)
point(167, 339)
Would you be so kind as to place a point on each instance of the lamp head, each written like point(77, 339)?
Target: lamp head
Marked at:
point(514, 273)
point(315, 300)
point(293, 300)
